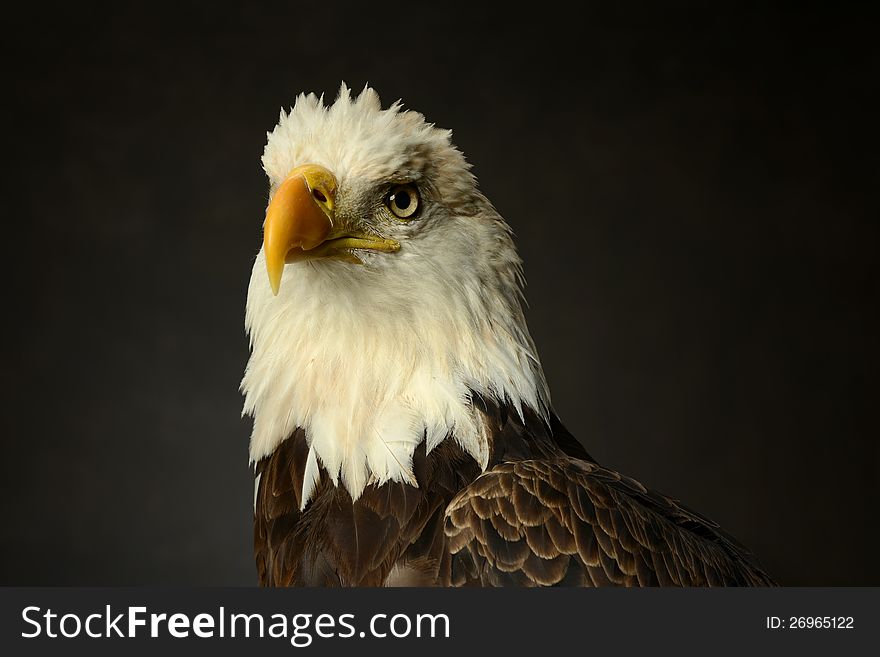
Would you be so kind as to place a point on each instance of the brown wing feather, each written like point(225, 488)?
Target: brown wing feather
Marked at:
point(566, 521)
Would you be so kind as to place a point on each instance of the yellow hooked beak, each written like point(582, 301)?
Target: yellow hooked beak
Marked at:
point(301, 224)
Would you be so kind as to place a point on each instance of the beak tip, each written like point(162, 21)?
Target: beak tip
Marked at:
point(274, 272)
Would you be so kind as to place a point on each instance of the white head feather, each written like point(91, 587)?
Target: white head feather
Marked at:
point(370, 360)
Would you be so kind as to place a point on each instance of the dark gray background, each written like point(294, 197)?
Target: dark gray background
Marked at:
point(693, 193)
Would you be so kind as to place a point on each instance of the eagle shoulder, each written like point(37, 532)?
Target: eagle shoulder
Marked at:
point(569, 522)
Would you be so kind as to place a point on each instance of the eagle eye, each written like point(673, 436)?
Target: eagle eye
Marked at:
point(403, 201)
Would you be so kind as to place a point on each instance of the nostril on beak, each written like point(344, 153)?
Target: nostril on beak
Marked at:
point(319, 195)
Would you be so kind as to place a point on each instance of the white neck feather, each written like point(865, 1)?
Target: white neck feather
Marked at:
point(369, 362)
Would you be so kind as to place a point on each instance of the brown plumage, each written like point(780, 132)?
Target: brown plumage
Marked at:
point(543, 514)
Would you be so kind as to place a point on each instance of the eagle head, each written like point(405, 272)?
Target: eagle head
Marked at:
point(385, 298)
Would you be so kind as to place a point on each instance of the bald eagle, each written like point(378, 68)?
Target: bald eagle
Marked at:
point(403, 432)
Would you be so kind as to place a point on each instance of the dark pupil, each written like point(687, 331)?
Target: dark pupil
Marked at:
point(401, 200)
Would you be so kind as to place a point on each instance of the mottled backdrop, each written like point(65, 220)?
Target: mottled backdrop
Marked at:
point(694, 193)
